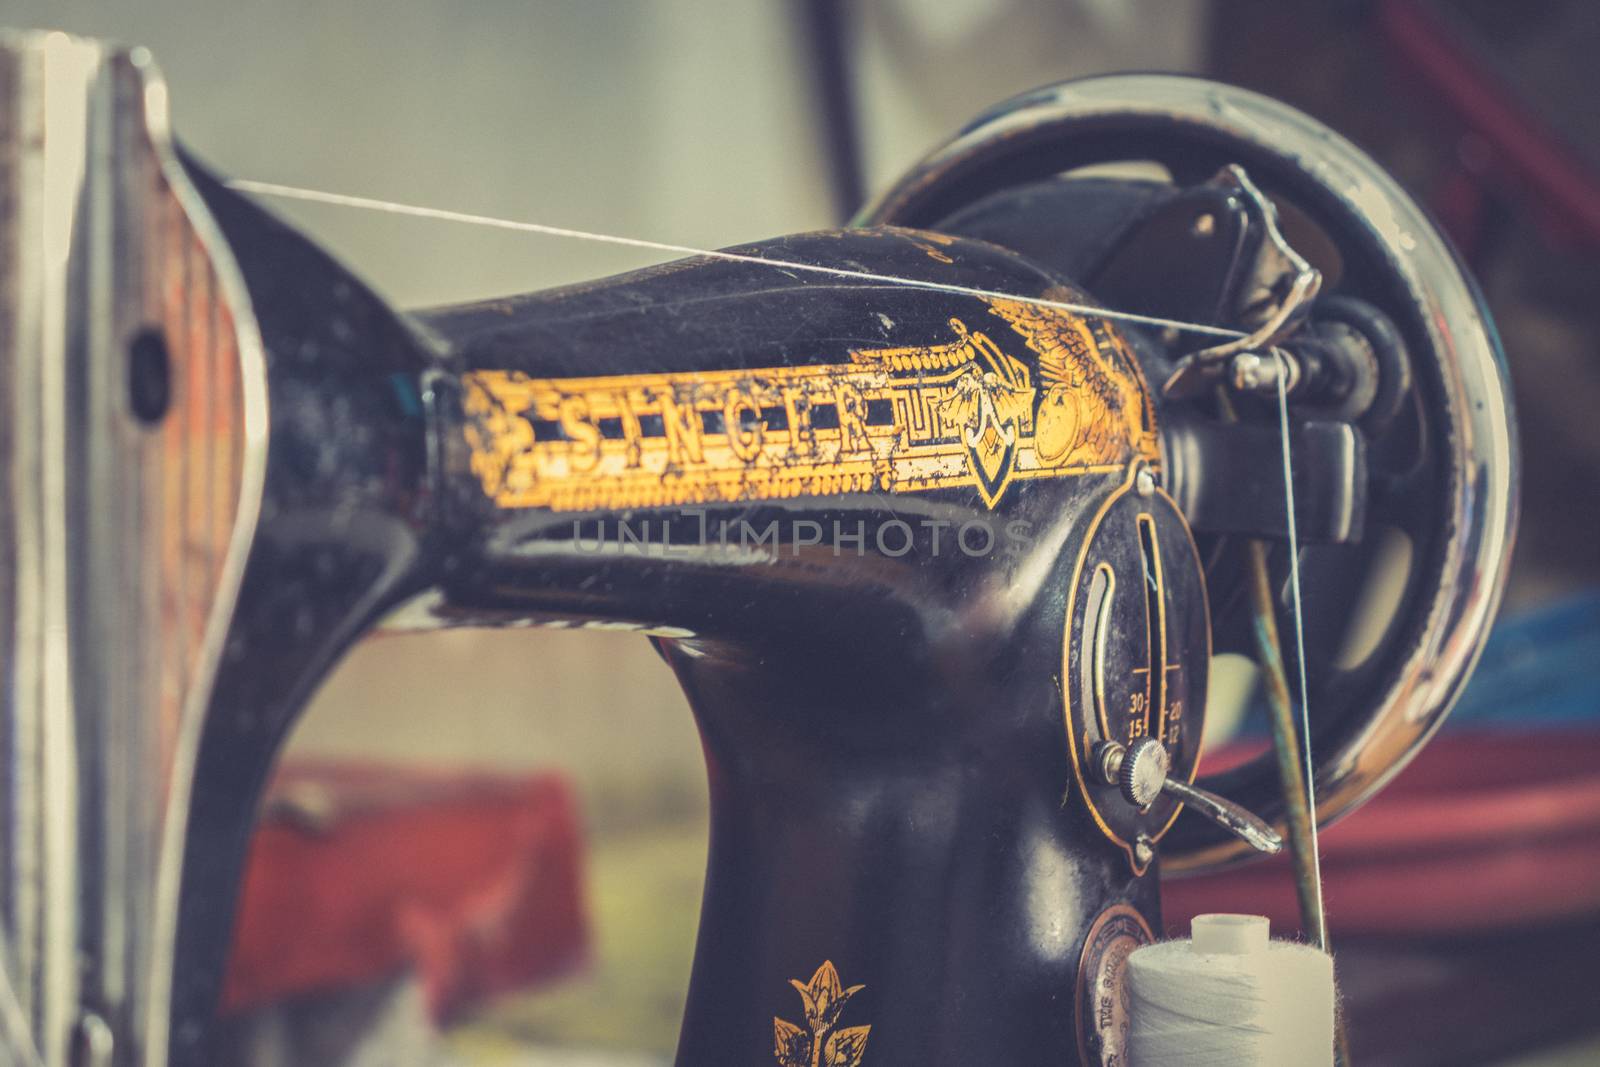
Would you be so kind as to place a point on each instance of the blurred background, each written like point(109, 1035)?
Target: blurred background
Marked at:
point(712, 122)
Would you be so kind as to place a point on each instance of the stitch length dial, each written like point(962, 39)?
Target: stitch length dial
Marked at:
point(1137, 651)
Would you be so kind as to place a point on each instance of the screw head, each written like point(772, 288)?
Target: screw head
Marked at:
point(1248, 372)
point(1144, 850)
point(1144, 483)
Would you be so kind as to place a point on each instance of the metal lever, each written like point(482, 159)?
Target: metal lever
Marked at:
point(1141, 772)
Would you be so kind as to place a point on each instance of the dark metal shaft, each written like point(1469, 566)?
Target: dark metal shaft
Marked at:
point(1286, 743)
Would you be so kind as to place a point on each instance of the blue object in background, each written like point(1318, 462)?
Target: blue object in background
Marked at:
point(1539, 668)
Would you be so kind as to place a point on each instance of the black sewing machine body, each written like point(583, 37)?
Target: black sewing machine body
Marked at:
point(917, 555)
point(870, 622)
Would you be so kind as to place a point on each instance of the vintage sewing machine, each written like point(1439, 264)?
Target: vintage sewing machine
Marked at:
point(941, 566)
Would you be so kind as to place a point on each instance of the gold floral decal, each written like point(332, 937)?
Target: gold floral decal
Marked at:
point(823, 1046)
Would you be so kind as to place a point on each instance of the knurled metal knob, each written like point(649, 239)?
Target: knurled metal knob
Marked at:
point(1144, 771)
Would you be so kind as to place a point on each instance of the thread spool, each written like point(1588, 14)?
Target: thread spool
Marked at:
point(1229, 996)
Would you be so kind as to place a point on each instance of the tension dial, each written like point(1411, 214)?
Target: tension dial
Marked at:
point(1137, 651)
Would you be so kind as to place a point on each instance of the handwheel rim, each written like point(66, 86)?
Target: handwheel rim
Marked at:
point(1050, 130)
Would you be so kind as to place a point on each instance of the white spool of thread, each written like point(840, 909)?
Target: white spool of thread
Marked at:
point(1230, 997)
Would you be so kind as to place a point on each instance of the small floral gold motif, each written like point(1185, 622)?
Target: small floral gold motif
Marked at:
point(824, 1046)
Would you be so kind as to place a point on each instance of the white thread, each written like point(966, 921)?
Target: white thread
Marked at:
point(1320, 917)
point(291, 192)
point(1251, 1003)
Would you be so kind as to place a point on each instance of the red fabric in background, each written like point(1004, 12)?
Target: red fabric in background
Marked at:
point(476, 882)
point(1482, 831)
point(357, 872)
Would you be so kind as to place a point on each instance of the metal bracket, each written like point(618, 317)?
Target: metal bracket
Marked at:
point(1276, 295)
